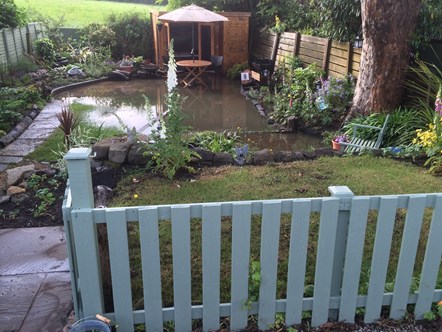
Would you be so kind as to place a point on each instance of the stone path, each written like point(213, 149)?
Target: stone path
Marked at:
point(43, 125)
point(34, 280)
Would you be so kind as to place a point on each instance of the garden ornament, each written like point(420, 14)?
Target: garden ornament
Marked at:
point(241, 154)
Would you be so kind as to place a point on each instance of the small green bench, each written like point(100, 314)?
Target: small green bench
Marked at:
point(357, 144)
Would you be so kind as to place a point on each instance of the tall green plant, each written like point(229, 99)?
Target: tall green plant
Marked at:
point(169, 151)
point(68, 122)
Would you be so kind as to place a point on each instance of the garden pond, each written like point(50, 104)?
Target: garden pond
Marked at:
point(223, 108)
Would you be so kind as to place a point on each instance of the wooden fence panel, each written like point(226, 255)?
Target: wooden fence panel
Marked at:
point(381, 254)
point(431, 262)
point(151, 269)
point(120, 268)
point(271, 220)
point(182, 296)
point(338, 59)
point(14, 41)
point(297, 260)
point(211, 244)
point(240, 264)
point(407, 256)
point(340, 247)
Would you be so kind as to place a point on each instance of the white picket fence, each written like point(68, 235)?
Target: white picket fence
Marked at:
point(343, 220)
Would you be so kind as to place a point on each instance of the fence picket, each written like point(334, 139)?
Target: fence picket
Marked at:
point(342, 213)
point(182, 296)
point(151, 268)
point(381, 254)
point(324, 260)
point(86, 251)
point(241, 222)
point(353, 258)
point(271, 220)
point(297, 260)
point(407, 256)
point(211, 244)
point(431, 262)
point(120, 269)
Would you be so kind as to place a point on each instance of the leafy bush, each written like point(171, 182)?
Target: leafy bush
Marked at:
point(132, 35)
point(8, 119)
point(45, 49)
point(216, 142)
point(234, 73)
point(98, 35)
point(295, 97)
point(11, 16)
point(334, 97)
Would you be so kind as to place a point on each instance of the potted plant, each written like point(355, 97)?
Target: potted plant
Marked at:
point(126, 64)
point(337, 140)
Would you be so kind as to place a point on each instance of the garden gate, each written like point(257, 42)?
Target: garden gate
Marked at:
point(342, 220)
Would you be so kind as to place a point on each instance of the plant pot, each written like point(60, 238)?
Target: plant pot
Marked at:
point(336, 146)
point(127, 69)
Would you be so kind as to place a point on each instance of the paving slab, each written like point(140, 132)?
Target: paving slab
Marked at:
point(33, 250)
point(9, 159)
point(38, 131)
point(34, 280)
point(3, 167)
point(21, 148)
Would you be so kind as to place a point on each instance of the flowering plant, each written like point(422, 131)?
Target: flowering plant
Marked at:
point(431, 140)
point(341, 138)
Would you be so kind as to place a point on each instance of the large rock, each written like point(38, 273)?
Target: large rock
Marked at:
point(118, 152)
point(14, 190)
point(100, 150)
point(263, 157)
point(15, 174)
point(136, 155)
point(284, 156)
point(223, 158)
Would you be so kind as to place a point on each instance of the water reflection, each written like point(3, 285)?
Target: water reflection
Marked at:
point(218, 109)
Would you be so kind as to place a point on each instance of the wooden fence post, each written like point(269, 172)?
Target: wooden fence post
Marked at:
point(80, 177)
point(325, 60)
point(345, 194)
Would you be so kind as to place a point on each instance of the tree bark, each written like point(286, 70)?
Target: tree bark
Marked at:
point(387, 27)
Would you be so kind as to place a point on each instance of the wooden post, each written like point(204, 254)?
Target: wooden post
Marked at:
point(350, 58)
point(326, 58)
point(275, 46)
point(345, 194)
point(5, 43)
point(80, 177)
point(297, 44)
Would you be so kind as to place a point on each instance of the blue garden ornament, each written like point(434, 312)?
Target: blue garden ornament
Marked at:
point(241, 154)
point(90, 324)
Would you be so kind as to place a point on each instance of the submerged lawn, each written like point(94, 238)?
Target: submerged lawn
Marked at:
point(364, 175)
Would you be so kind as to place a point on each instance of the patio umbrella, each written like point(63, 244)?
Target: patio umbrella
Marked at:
point(192, 14)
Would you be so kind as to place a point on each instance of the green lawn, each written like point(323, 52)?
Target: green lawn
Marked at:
point(364, 175)
point(78, 13)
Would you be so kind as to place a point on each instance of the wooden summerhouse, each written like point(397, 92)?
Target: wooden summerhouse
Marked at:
point(229, 39)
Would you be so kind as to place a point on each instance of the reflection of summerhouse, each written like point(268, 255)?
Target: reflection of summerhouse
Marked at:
point(229, 39)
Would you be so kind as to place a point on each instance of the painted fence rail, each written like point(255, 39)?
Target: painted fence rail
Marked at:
point(342, 220)
point(16, 42)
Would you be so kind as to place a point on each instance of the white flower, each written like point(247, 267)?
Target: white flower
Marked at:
point(172, 80)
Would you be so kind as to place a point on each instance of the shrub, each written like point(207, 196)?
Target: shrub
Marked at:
point(132, 35)
point(11, 16)
point(45, 49)
point(98, 35)
point(295, 97)
point(8, 119)
point(234, 73)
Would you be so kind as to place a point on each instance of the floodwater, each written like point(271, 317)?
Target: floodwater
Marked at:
point(217, 108)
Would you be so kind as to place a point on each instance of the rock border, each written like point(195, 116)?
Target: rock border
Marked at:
point(120, 151)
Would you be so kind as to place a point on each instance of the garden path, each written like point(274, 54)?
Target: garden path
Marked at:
point(43, 125)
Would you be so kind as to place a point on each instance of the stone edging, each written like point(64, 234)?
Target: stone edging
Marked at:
point(77, 85)
point(19, 128)
point(123, 152)
point(26, 121)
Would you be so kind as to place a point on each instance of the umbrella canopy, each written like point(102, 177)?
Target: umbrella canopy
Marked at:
point(191, 14)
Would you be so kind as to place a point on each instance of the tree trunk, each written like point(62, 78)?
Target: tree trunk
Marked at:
point(387, 27)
